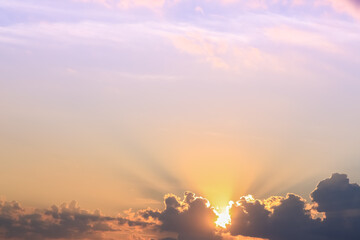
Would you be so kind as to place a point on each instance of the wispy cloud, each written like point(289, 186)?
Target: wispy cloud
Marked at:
point(350, 7)
point(297, 37)
point(154, 5)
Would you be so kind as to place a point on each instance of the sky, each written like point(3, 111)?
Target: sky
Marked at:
point(139, 109)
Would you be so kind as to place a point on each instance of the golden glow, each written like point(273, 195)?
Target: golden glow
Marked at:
point(224, 217)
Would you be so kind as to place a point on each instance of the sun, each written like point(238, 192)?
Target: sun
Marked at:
point(224, 217)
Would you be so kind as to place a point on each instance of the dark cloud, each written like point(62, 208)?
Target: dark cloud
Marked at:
point(340, 201)
point(276, 218)
point(192, 218)
point(336, 194)
point(66, 221)
point(335, 200)
point(287, 218)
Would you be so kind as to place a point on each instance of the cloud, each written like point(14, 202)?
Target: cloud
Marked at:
point(209, 50)
point(279, 218)
point(193, 218)
point(340, 201)
point(129, 4)
point(351, 7)
point(336, 194)
point(275, 218)
point(223, 52)
point(67, 221)
point(157, 5)
point(293, 36)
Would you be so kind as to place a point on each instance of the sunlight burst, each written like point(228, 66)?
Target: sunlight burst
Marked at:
point(224, 217)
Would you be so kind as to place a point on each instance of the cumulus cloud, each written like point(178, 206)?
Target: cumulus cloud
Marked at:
point(279, 218)
point(67, 221)
point(340, 201)
point(193, 218)
point(275, 218)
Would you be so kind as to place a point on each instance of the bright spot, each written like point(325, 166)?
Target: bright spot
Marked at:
point(249, 198)
point(223, 216)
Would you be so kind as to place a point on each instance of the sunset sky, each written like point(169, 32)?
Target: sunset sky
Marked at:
point(115, 104)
